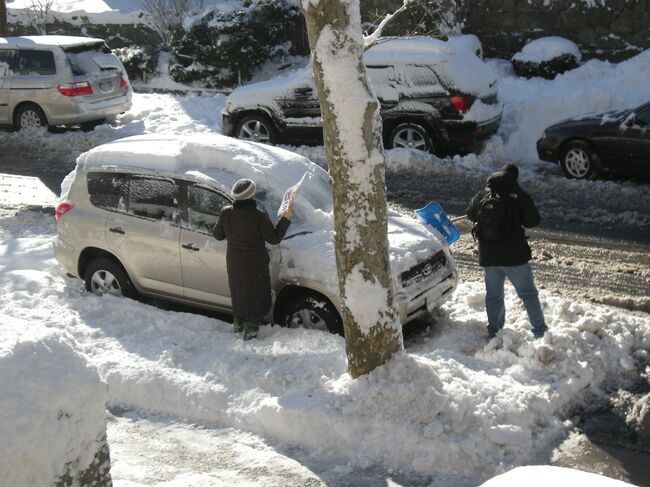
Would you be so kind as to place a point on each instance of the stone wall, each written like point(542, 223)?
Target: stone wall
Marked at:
point(605, 29)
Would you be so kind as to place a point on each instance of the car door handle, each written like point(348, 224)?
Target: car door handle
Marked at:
point(190, 247)
point(117, 230)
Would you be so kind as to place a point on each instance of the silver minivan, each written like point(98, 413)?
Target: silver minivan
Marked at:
point(60, 80)
point(136, 217)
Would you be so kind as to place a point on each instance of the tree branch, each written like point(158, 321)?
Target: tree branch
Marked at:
point(371, 40)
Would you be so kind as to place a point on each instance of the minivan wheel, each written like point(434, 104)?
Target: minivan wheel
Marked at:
point(309, 310)
point(579, 161)
point(410, 136)
point(30, 117)
point(256, 128)
point(103, 276)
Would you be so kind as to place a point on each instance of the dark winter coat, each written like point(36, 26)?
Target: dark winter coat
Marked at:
point(513, 249)
point(247, 229)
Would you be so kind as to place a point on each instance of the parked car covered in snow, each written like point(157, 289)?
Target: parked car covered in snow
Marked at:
point(136, 217)
point(434, 97)
point(584, 146)
point(60, 80)
point(547, 57)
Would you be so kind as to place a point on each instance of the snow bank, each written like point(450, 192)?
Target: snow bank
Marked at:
point(452, 405)
point(543, 476)
point(547, 48)
point(52, 416)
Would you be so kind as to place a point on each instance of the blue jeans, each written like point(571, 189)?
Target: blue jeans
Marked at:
point(521, 277)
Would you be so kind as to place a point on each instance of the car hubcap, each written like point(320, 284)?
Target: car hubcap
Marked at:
point(307, 319)
point(577, 163)
point(254, 130)
point(30, 120)
point(409, 138)
point(103, 282)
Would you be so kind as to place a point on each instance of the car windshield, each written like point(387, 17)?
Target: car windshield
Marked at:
point(91, 59)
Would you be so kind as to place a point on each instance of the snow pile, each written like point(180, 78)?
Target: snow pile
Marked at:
point(538, 476)
point(452, 404)
point(52, 417)
point(547, 48)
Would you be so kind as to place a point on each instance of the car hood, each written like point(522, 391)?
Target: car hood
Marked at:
point(309, 253)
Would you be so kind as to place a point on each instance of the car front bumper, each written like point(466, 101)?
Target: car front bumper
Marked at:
point(227, 125)
point(548, 149)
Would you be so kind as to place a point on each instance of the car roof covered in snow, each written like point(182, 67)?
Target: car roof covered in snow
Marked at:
point(47, 41)
point(212, 158)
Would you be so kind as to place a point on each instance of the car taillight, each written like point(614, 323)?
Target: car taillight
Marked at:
point(62, 209)
point(461, 103)
point(75, 89)
point(123, 83)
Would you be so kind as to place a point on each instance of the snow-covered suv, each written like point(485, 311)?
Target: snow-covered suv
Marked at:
point(136, 217)
point(434, 97)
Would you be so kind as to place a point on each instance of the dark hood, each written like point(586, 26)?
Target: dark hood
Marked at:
point(502, 181)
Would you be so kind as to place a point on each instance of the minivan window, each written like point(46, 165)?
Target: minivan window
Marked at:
point(5, 56)
point(203, 208)
point(153, 198)
point(106, 190)
point(91, 59)
point(34, 63)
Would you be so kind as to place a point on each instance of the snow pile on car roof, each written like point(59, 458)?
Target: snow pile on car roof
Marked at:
point(459, 69)
point(63, 41)
point(547, 48)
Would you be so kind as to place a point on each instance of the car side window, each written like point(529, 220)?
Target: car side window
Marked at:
point(152, 198)
point(643, 118)
point(34, 63)
point(106, 190)
point(204, 207)
point(5, 57)
point(422, 79)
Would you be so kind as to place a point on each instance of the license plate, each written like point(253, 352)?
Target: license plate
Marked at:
point(106, 86)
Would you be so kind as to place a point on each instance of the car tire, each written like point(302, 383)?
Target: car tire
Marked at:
point(410, 136)
point(579, 161)
point(313, 311)
point(104, 276)
point(29, 117)
point(256, 128)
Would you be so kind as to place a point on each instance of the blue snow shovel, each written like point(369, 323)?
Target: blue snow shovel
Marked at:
point(433, 216)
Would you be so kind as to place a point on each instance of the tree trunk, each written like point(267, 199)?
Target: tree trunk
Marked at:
point(353, 144)
point(4, 32)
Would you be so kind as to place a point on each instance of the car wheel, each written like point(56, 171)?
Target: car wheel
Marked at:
point(256, 128)
point(579, 161)
point(410, 136)
point(103, 276)
point(312, 311)
point(29, 117)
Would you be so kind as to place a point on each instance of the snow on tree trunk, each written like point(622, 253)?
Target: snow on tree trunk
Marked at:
point(3, 19)
point(353, 144)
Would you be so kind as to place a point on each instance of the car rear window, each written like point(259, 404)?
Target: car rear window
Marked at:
point(91, 59)
point(106, 190)
point(34, 63)
point(153, 198)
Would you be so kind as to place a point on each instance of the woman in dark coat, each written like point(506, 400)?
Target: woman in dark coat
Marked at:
point(247, 229)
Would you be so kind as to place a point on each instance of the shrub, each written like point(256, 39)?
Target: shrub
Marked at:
point(545, 69)
point(137, 61)
point(220, 50)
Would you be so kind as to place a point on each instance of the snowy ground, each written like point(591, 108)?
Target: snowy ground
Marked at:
point(451, 410)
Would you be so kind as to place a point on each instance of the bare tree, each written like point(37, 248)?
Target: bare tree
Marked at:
point(353, 144)
point(4, 31)
point(38, 14)
point(166, 16)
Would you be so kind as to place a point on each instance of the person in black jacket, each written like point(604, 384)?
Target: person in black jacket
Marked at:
point(247, 230)
point(503, 246)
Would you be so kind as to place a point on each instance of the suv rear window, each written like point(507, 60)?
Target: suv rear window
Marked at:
point(91, 59)
point(153, 198)
point(31, 63)
point(106, 190)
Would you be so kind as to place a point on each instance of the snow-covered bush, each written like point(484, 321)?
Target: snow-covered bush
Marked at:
point(546, 57)
point(222, 50)
point(52, 413)
point(139, 62)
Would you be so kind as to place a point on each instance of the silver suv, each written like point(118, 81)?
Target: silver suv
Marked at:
point(136, 215)
point(58, 80)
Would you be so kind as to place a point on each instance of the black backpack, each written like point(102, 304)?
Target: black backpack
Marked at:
point(496, 217)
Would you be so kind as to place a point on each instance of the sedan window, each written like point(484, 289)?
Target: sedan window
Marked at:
point(153, 198)
point(643, 118)
point(203, 208)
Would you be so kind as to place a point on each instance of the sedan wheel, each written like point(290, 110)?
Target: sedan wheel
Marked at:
point(256, 129)
point(410, 136)
point(579, 161)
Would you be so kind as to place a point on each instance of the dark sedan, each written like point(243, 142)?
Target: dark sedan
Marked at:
point(587, 145)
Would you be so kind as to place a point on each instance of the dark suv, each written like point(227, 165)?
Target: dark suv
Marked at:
point(434, 97)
